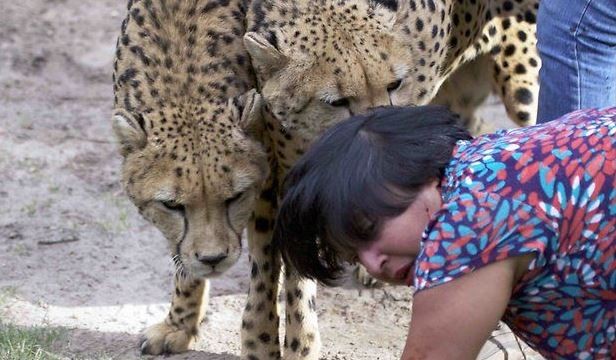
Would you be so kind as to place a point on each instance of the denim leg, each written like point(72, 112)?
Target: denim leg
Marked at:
point(577, 45)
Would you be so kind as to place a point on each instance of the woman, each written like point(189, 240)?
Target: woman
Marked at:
point(518, 225)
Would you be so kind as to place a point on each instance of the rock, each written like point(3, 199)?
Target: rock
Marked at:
point(15, 235)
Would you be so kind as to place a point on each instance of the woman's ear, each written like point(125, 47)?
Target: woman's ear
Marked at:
point(432, 195)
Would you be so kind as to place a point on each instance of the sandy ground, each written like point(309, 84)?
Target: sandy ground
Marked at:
point(73, 251)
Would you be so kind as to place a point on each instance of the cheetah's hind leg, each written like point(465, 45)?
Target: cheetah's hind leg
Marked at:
point(516, 71)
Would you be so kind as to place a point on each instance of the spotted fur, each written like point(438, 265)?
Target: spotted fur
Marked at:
point(187, 128)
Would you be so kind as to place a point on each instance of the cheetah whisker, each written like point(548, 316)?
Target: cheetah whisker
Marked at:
point(180, 269)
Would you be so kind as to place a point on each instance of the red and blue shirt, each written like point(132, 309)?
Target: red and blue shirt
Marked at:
point(550, 191)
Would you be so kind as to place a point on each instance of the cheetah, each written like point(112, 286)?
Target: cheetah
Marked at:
point(320, 61)
point(188, 130)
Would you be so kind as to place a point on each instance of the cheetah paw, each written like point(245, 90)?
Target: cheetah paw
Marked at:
point(164, 339)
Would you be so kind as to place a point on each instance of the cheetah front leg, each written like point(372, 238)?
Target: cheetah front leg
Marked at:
point(516, 70)
point(181, 326)
point(302, 339)
point(260, 320)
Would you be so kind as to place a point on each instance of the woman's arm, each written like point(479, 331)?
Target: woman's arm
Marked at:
point(454, 320)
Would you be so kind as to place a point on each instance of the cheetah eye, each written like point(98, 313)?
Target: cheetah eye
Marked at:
point(172, 205)
point(235, 198)
point(342, 102)
point(394, 85)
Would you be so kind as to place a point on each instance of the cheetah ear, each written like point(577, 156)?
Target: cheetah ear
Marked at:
point(265, 53)
point(246, 110)
point(129, 131)
point(403, 11)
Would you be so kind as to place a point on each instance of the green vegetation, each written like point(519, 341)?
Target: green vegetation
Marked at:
point(35, 343)
point(28, 343)
point(25, 343)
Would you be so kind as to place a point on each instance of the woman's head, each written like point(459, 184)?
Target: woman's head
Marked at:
point(360, 173)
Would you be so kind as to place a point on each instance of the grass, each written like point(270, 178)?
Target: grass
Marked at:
point(28, 343)
point(35, 343)
point(39, 343)
point(25, 343)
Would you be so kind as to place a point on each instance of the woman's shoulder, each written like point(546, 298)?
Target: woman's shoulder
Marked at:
point(519, 160)
point(574, 125)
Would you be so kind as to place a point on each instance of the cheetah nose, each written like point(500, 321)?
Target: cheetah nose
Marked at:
point(211, 260)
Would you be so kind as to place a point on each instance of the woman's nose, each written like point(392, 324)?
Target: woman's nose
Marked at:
point(371, 260)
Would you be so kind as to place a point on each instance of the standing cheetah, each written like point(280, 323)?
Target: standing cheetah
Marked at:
point(192, 162)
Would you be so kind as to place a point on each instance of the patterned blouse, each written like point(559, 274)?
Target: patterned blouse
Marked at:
point(547, 190)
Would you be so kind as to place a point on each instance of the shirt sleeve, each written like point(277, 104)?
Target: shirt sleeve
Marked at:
point(474, 229)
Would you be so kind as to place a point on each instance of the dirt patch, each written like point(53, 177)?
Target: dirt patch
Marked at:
point(72, 247)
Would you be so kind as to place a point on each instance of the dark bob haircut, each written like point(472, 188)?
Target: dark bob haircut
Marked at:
point(361, 172)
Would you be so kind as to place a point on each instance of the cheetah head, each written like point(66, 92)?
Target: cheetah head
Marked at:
point(195, 176)
point(334, 60)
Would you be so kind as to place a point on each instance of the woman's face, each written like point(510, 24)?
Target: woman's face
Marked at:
point(391, 256)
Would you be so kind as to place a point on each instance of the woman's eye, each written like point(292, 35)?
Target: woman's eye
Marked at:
point(234, 198)
point(172, 205)
point(340, 102)
point(394, 85)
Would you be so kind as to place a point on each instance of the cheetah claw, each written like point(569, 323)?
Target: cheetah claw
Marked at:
point(164, 339)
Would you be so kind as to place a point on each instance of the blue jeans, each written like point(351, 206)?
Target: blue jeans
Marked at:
point(577, 45)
